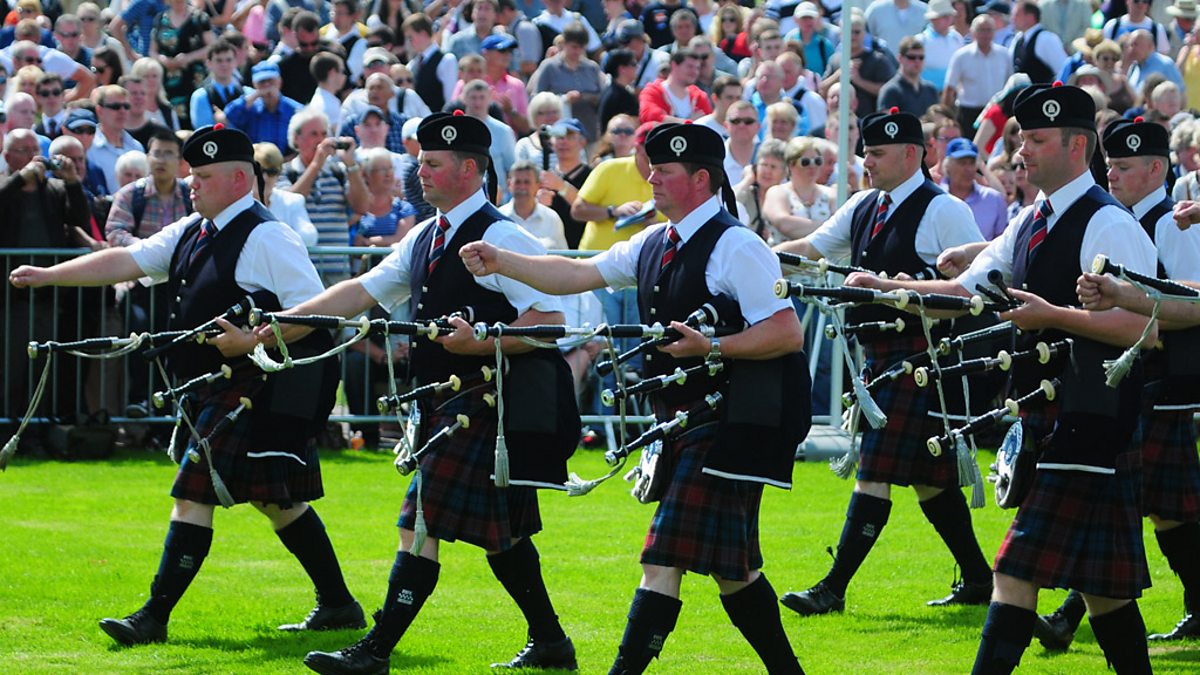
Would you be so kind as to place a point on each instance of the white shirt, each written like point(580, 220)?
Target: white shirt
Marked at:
point(947, 222)
point(388, 282)
point(978, 76)
point(53, 61)
point(543, 223)
point(735, 170)
point(1048, 48)
point(447, 70)
point(710, 121)
point(290, 209)
point(1179, 250)
point(741, 266)
point(1162, 43)
point(1111, 231)
point(273, 258)
point(561, 21)
point(325, 102)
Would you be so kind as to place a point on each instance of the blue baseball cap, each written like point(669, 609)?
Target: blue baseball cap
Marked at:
point(265, 71)
point(79, 118)
point(498, 43)
point(958, 148)
point(574, 125)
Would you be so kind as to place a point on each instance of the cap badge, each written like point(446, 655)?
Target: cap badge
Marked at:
point(1133, 142)
point(679, 145)
point(209, 149)
point(449, 133)
point(1051, 109)
point(891, 129)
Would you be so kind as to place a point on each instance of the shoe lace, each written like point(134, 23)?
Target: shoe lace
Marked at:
point(366, 644)
point(1186, 618)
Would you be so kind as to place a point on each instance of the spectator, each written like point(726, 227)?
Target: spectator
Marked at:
point(656, 19)
point(276, 21)
point(768, 45)
point(93, 36)
point(140, 209)
point(1068, 19)
point(1144, 61)
point(68, 147)
point(816, 48)
point(434, 74)
point(1000, 13)
point(288, 207)
point(961, 168)
point(134, 25)
point(713, 63)
point(782, 121)
point(1035, 51)
point(1105, 56)
point(1182, 25)
point(997, 113)
point(507, 90)
point(615, 189)
point(139, 125)
point(376, 61)
point(476, 100)
point(756, 182)
point(179, 41)
point(560, 187)
point(940, 41)
point(575, 78)
point(676, 99)
point(619, 97)
point(684, 26)
point(976, 73)
point(1184, 144)
point(555, 18)
point(470, 67)
point(857, 176)
point(298, 81)
point(344, 30)
point(132, 166)
point(726, 91)
point(81, 125)
point(25, 53)
point(50, 104)
point(106, 62)
point(796, 208)
point(68, 34)
point(890, 21)
point(944, 131)
point(112, 109)
point(388, 217)
point(413, 193)
point(332, 184)
point(798, 85)
point(617, 141)
point(728, 33)
point(157, 108)
point(483, 25)
point(908, 91)
point(407, 101)
point(1026, 194)
point(1082, 48)
point(378, 94)
point(207, 103)
point(523, 209)
point(372, 130)
point(741, 145)
point(871, 67)
point(615, 12)
point(647, 61)
point(264, 114)
point(529, 39)
point(1138, 18)
point(330, 73)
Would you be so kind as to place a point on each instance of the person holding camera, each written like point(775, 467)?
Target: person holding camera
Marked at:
point(330, 178)
point(560, 188)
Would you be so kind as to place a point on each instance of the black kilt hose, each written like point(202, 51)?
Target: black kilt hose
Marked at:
point(253, 469)
point(459, 498)
point(1170, 466)
point(703, 524)
point(1079, 530)
point(896, 454)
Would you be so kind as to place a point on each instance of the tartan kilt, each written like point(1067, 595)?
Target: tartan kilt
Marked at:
point(897, 454)
point(1081, 531)
point(1170, 466)
point(703, 524)
point(285, 477)
point(459, 499)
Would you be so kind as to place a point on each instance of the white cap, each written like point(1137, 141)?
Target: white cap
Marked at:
point(409, 130)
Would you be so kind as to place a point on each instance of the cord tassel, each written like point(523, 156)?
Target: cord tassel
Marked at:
point(1116, 370)
point(843, 467)
point(420, 530)
point(501, 478)
point(10, 448)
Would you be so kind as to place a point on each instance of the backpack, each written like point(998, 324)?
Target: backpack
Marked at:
point(138, 207)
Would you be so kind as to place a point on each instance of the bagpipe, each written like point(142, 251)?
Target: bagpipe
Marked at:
point(1042, 352)
point(822, 266)
point(610, 397)
point(430, 329)
point(649, 480)
point(901, 299)
point(702, 319)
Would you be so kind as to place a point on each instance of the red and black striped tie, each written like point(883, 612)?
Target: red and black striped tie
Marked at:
point(881, 214)
point(1040, 224)
point(439, 244)
point(669, 252)
point(208, 230)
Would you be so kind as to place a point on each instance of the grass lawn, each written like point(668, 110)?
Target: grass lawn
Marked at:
point(81, 541)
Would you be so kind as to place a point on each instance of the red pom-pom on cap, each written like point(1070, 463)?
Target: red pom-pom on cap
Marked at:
point(1057, 83)
point(687, 121)
point(1139, 119)
point(893, 110)
point(459, 113)
point(218, 126)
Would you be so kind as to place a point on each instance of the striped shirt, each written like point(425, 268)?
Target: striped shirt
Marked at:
point(329, 210)
point(159, 212)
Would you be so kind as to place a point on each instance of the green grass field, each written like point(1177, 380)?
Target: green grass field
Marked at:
point(81, 541)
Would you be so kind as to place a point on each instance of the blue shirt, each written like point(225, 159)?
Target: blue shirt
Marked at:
point(395, 139)
point(371, 225)
point(275, 12)
point(1155, 63)
point(139, 21)
point(260, 124)
point(201, 109)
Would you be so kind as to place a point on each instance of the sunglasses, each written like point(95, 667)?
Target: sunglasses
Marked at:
point(1018, 167)
point(116, 106)
point(68, 35)
point(31, 59)
point(309, 45)
point(915, 57)
point(702, 57)
point(744, 120)
point(83, 131)
point(404, 80)
point(811, 161)
point(622, 131)
point(47, 93)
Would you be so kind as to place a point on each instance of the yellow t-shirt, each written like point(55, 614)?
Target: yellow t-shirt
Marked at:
point(612, 183)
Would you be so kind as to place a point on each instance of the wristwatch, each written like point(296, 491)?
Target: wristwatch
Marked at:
point(610, 213)
point(714, 350)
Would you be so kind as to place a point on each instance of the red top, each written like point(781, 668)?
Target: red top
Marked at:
point(996, 115)
point(654, 104)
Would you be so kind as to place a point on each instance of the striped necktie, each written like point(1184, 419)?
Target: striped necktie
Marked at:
point(1040, 224)
point(439, 245)
point(672, 247)
point(207, 231)
point(881, 214)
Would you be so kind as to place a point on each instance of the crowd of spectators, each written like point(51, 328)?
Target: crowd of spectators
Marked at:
point(331, 92)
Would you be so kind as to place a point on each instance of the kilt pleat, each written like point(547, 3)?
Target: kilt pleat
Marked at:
point(897, 454)
point(459, 499)
point(1170, 466)
point(283, 476)
point(703, 524)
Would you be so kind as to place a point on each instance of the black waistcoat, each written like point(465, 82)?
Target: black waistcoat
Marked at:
point(1095, 422)
point(767, 403)
point(893, 251)
point(1025, 59)
point(1172, 373)
point(427, 84)
point(541, 418)
point(295, 403)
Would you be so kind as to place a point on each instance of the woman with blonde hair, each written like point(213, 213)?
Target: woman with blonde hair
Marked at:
point(1105, 56)
point(782, 119)
point(545, 110)
point(617, 140)
point(728, 32)
point(289, 207)
point(798, 207)
point(757, 181)
point(158, 109)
